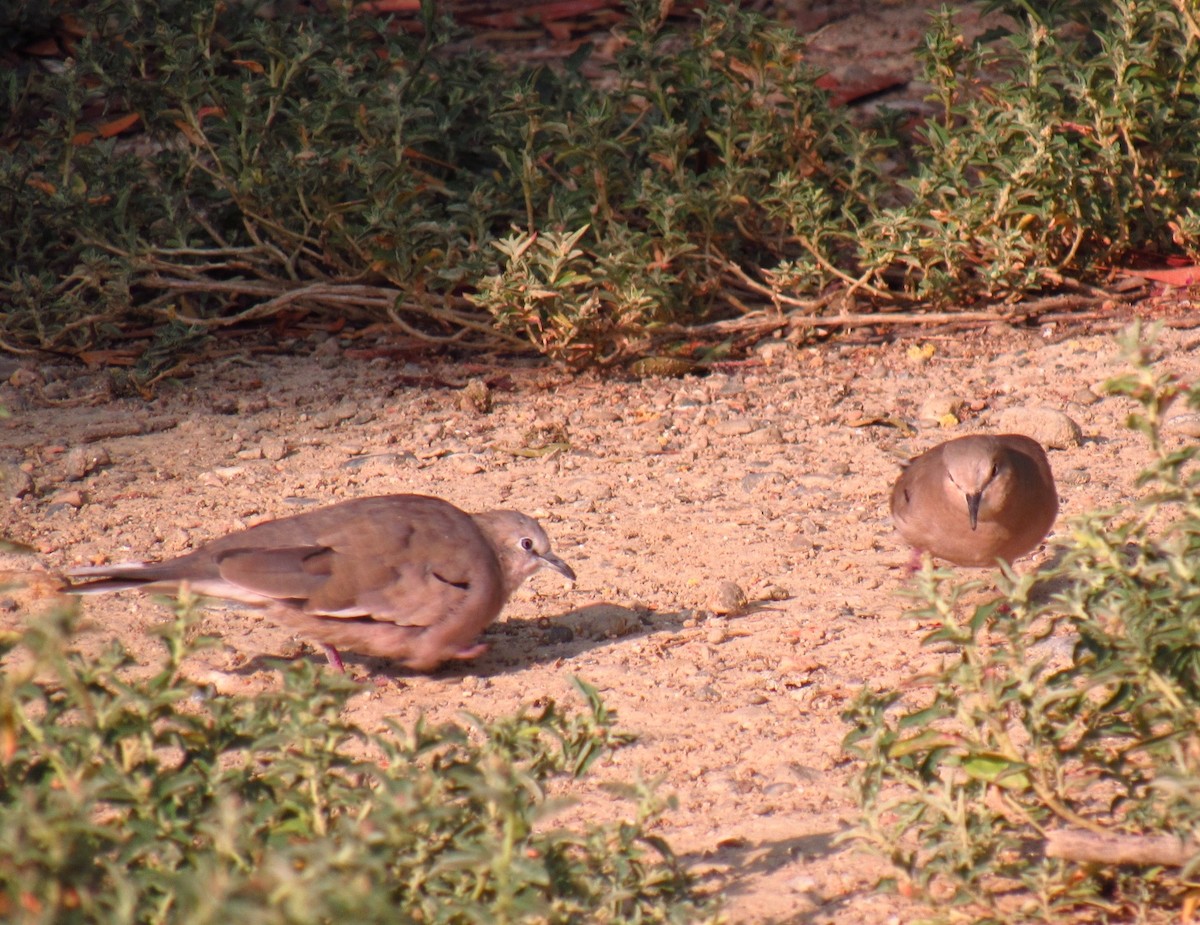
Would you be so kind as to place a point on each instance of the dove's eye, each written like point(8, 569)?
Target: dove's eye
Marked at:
point(526, 544)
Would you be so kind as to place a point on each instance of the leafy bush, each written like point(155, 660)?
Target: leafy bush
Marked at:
point(333, 162)
point(1069, 709)
point(155, 800)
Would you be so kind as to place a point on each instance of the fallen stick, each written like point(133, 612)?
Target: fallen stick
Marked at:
point(1111, 850)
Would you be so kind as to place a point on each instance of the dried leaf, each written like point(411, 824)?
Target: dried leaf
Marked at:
point(117, 126)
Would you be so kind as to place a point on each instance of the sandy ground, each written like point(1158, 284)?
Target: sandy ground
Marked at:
point(764, 473)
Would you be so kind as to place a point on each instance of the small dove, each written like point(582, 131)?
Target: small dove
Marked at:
point(406, 577)
point(976, 499)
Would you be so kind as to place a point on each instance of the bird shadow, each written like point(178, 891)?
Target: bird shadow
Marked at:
point(514, 645)
point(737, 865)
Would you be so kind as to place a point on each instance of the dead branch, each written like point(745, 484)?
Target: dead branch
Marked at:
point(1113, 849)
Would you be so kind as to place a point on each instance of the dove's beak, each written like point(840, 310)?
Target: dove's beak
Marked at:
point(550, 560)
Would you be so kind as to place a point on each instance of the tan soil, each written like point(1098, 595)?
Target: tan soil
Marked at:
point(762, 473)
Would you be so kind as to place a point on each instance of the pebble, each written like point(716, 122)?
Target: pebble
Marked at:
point(467, 463)
point(15, 482)
point(1186, 423)
point(333, 416)
point(601, 621)
point(248, 406)
point(727, 598)
point(476, 396)
point(735, 427)
point(765, 436)
point(755, 480)
point(71, 498)
point(774, 592)
point(941, 409)
point(81, 461)
point(1049, 427)
point(274, 448)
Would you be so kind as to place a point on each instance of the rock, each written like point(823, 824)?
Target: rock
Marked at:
point(735, 427)
point(727, 598)
point(766, 436)
point(333, 416)
point(476, 396)
point(1185, 423)
point(554, 634)
point(601, 621)
point(81, 461)
point(774, 592)
point(467, 463)
point(941, 409)
point(1051, 428)
point(15, 482)
point(248, 406)
point(274, 448)
point(72, 498)
point(753, 481)
point(328, 353)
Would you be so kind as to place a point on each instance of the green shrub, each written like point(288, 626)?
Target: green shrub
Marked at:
point(156, 800)
point(1069, 704)
point(332, 162)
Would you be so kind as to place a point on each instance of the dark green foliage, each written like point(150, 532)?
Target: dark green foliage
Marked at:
point(333, 162)
point(1071, 700)
point(157, 800)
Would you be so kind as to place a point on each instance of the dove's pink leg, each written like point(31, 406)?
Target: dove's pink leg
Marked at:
point(334, 659)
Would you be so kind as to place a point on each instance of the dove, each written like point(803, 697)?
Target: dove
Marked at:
point(976, 499)
point(405, 577)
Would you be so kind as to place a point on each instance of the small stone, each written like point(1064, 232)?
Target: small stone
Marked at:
point(1186, 423)
point(727, 598)
point(81, 461)
point(15, 482)
point(476, 396)
point(333, 416)
point(467, 463)
point(775, 592)
point(766, 436)
point(23, 377)
point(328, 353)
point(601, 621)
point(736, 427)
point(72, 498)
point(247, 406)
point(1049, 427)
point(1085, 397)
point(941, 409)
point(556, 634)
point(753, 481)
point(274, 448)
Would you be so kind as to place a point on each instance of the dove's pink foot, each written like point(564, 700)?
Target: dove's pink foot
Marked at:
point(334, 658)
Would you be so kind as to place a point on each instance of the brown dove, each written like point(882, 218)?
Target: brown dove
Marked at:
point(976, 499)
point(406, 577)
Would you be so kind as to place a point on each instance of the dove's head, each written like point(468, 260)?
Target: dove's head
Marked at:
point(521, 545)
point(978, 471)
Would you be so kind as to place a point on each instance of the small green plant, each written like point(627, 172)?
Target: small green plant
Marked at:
point(135, 798)
point(1068, 712)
